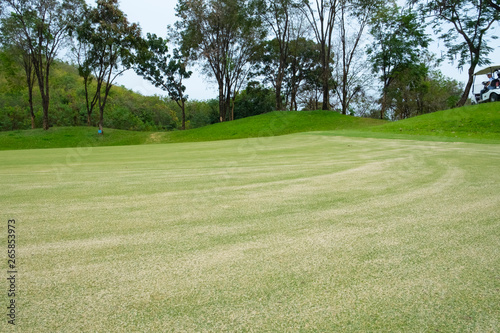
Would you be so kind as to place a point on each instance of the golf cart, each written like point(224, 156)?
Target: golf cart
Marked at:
point(490, 89)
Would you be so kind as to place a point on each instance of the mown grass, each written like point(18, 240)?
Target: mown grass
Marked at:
point(63, 137)
point(479, 123)
point(469, 122)
point(297, 233)
point(271, 124)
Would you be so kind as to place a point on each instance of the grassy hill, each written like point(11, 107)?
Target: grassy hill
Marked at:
point(273, 124)
point(475, 122)
point(479, 123)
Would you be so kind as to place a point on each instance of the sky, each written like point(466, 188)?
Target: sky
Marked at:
point(155, 15)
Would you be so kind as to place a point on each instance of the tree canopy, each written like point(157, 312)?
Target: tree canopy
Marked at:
point(464, 26)
point(105, 49)
point(308, 54)
point(165, 71)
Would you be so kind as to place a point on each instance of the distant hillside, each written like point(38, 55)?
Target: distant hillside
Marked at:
point(125, 109)
point(479, 123)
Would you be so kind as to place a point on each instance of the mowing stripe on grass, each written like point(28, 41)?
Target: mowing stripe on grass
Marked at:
point(292, 233)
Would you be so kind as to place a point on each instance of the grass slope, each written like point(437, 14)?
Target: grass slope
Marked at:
point(469, 124)
point(299, 233)
point(477, 121)
point(270, 124)
point(63, 137)
point(273, 124)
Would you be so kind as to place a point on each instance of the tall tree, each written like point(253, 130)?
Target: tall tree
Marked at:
point(419, 89)
point(407, 89)
point(349, 63)
point(302, 57)
point(469, 23)
point(13, 37)
point(45, 25)
point(165, 71)
point(106, 44)
point(321, 16)
point(223, 33)
point(399, 39)
point(277, 16)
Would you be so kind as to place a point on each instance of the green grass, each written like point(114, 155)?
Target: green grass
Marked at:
point(310, 222)
point(63, 137)
point(470, 122)
point(297, 233)
point(479, 123)
point(271, 124)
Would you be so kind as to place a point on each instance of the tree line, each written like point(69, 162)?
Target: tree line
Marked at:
point(365, 57)
point(125, 109)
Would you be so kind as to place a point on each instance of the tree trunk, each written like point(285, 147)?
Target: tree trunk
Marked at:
point(222, 104)
point(45, 106)
point(468, 87)
point(383, 105)
point(279, 83)
point(325, 77)
point(279, 104)
point(102, 104)
point(101, 120)
point(227, 104)
point(232, 111)
point(89, 106)
point(32, 112)
point(43, 83)
point(183, 107)
point(293, 92)
point(30, 81)
point(326, 97)
point(345, 101)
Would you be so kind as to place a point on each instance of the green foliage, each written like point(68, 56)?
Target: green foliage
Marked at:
point(127, 110)
point(105, 49)
point(201, 113)
point(37, 30)
point(468, 34)
point(415, 90)
point(164, 71)
point(465, 27)
point(223, 34)
point(254, 100)
point(303, 73)
point(400, 41)
point(321, 17)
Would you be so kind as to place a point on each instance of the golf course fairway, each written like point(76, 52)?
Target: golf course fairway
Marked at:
point(296, 233)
